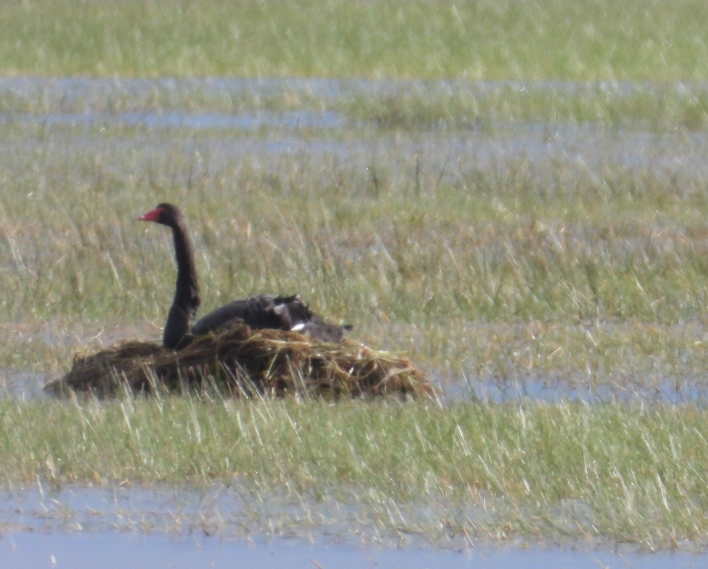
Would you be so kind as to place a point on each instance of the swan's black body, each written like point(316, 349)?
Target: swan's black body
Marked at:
point(261, 311)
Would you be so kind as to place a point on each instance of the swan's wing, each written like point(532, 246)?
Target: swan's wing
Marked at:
point(272, 311)
point(256, 312)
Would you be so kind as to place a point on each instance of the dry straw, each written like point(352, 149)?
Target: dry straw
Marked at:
point(245, 362)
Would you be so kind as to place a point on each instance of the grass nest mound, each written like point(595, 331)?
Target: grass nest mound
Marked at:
point(245, 362)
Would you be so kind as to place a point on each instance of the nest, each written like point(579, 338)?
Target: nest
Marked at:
point(245, 362)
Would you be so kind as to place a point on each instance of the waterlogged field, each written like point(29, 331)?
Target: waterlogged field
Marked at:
point(536, 241)
point(386, 472)
point(521, 265)
point(572, 255)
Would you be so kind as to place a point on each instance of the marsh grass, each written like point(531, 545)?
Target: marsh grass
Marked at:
point(464, 106)
point(415, 105)
point(632, 65)
point(507, 245)
point(581, 266)
point(552, 39)
point(125, 95)
point(566, 471)
point(505, 266)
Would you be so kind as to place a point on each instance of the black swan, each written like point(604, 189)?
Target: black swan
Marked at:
point(260, 311)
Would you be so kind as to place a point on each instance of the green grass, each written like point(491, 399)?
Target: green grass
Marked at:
point(488, 245)
point(581, 40)
point(467, 106)
point(652, 44)
point(503, 270)
point(506, 269)
point(565, 471)
point(590, 273)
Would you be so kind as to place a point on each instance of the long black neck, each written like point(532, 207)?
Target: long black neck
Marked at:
point(186, 301)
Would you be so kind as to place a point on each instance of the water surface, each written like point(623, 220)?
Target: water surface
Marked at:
point(111, 550)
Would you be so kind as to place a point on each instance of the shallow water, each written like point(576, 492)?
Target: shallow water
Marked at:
point(555, 389)
point(27, 385)
point(22, 384)
point(82, 550)
point(171, 527)
point(241, 121)
point(166, 105)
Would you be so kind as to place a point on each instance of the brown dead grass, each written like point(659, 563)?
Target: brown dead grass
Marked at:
point(245, 362)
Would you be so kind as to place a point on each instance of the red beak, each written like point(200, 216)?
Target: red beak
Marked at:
point(152, 215)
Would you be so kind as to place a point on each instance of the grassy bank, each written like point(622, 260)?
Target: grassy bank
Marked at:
point(581, 40)
point(564, 471)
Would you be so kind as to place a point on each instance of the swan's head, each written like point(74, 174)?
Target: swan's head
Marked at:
point(164, 213)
